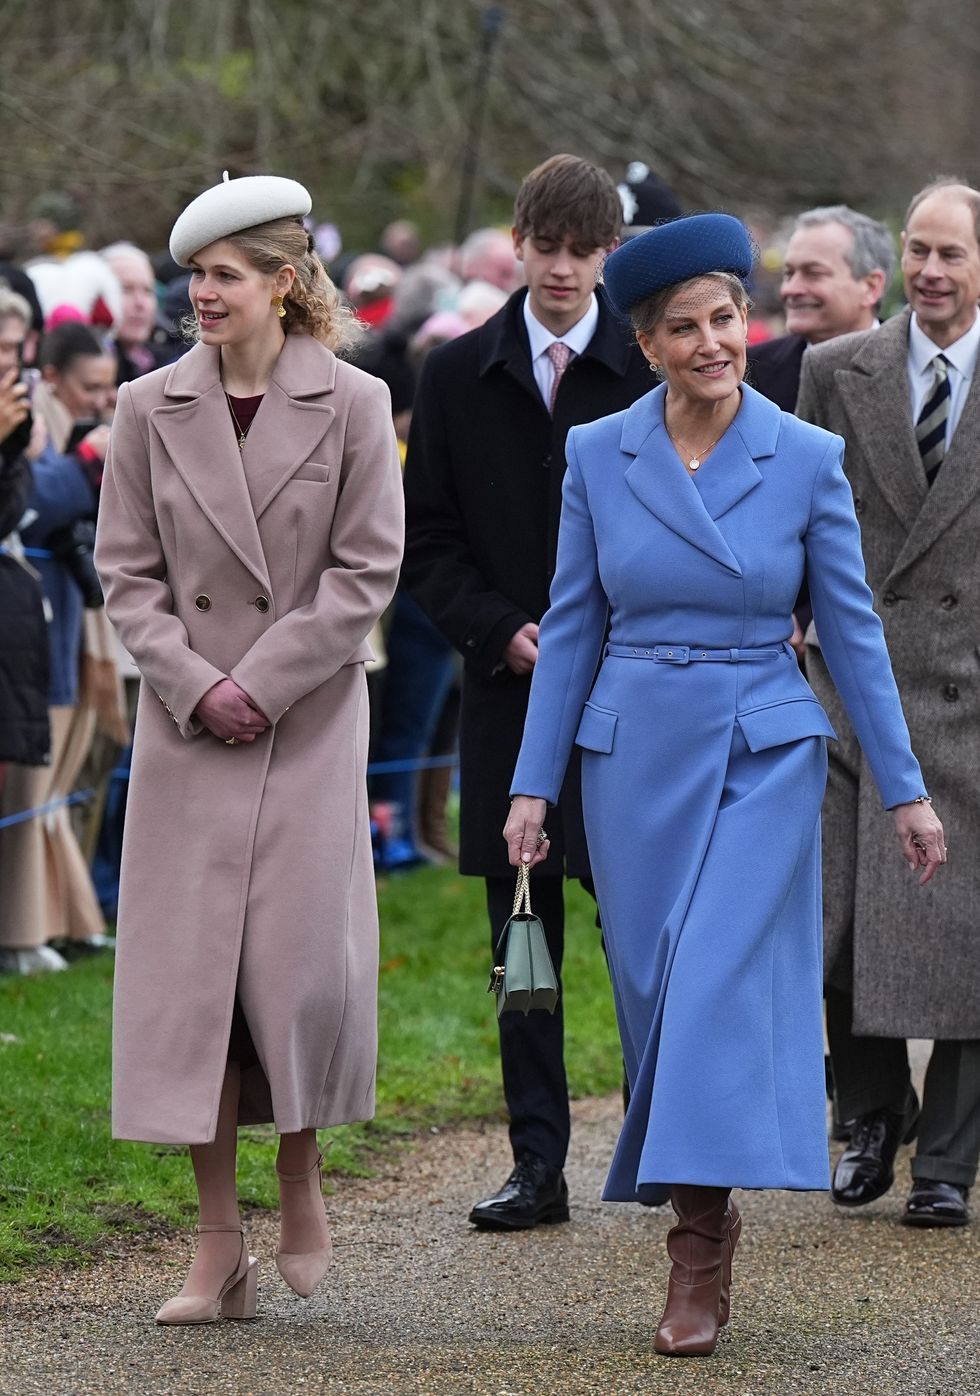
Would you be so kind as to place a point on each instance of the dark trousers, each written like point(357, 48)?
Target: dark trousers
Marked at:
point(872, 1073)
point(532, 1055)
point(417, 679)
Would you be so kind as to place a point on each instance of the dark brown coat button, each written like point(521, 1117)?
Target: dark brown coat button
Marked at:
point(949, 603)
point(889, 598)
point(858, 504)
point(261, 603)
point(202, 602)
point(951, 693)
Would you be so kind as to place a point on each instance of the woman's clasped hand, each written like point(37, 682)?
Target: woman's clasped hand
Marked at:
point(229, 713)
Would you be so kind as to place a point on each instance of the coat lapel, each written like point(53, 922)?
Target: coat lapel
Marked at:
point(288, 427)
point(956, 485)
point(504, 341)
point(235, 488)
point(874, 390)
point(689, 506)
point(730, 472)
point(199, 438)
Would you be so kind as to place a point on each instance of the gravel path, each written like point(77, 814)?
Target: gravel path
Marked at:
point(418, 1302)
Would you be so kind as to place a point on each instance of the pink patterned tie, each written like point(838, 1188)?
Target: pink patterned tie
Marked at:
point(561, 356)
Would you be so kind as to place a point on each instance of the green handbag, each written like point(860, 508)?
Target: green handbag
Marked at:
point(523, 977)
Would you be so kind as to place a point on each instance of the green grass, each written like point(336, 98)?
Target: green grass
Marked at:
point(66, 1188)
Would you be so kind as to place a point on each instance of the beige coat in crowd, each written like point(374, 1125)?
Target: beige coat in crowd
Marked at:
point(248, 865)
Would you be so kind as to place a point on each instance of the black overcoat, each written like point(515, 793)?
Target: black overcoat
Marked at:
point(774, 369)
point(483, 495)
point(24, 734)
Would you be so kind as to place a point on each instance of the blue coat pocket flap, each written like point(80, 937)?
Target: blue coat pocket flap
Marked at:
point(778, 723)
point(596, 728)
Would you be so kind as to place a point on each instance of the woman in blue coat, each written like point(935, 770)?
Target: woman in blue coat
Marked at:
point(687, 524)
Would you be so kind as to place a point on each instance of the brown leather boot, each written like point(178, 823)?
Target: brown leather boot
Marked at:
point(733, 1226)
point(434, 786)
point(697, 1247)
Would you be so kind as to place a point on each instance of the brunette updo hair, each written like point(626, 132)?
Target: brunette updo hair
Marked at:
point(313, 304)
point(70, 340)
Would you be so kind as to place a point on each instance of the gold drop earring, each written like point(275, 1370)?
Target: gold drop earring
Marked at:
point(280, 308)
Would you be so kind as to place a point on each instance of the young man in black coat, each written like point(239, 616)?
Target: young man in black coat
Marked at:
point(483, 477)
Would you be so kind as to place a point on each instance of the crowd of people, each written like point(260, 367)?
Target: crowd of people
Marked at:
point(636, 606)
point(75, 324)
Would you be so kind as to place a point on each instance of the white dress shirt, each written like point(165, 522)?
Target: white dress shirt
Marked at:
point(577, 339)
point(962, 357)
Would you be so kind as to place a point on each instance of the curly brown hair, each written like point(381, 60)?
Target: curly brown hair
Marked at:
point(313, 304)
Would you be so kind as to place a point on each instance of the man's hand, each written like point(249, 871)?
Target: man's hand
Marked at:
point(227, 711)
point(521, 654)
point(922, 839)
point(14, 406)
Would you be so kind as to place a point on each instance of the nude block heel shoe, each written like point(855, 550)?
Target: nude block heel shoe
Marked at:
point(303, 1270)
point(240, 1301)
point(235, 1299)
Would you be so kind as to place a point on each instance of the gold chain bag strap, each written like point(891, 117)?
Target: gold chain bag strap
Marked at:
point(523, 976)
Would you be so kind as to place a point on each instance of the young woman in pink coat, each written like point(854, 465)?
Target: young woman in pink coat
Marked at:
point(250, 535)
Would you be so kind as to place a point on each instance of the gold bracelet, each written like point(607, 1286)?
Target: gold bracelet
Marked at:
point(922, 800)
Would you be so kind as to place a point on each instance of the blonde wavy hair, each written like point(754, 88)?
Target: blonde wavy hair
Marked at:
point(313, 306)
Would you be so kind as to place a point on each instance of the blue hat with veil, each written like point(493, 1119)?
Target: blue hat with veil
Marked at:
point(675, 252)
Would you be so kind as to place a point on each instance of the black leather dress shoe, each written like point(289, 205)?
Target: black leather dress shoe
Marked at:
point(866, 1168)
point(535, 1192)
point(934, 1203)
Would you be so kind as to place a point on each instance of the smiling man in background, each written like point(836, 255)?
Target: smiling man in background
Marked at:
point(837, 267)
point(906, 399)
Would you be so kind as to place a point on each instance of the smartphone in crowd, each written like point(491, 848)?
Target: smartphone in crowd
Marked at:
point(30, 377)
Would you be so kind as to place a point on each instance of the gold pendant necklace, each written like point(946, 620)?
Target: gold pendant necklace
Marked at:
point(238, 426)
point(695, 461)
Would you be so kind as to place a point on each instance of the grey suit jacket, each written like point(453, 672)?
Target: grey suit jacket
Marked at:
point(916, 963)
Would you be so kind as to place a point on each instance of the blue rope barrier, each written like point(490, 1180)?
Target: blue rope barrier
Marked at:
point(376, 768)
point(27, 552)
point(22, 816)
point(426, 763)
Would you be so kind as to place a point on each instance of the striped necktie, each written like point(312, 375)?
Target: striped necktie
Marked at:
point(930, 429)
point(561, 356)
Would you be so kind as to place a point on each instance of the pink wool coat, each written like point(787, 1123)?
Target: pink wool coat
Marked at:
point(248, 866)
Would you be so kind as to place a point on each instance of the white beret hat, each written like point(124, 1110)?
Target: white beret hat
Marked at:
point(232, 206)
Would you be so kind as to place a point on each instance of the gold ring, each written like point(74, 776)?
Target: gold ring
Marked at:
point(232, 741)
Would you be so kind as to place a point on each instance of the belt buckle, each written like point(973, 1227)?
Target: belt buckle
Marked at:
point(672, 654)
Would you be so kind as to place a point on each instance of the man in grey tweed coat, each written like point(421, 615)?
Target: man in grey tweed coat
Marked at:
point(902, 961)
